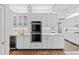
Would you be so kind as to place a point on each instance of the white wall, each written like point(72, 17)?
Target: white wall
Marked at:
point(8, 18)
point(2, 42)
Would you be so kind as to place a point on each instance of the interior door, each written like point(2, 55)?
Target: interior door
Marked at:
point(1, 30)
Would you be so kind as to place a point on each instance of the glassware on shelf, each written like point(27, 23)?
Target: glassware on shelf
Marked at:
point(25, 21)
point(14, 21)
point(20, 21)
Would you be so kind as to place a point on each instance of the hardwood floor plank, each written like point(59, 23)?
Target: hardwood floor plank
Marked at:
point(37, 52)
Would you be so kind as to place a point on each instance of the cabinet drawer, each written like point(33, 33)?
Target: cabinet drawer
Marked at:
point(35, 45)
point(26, 46)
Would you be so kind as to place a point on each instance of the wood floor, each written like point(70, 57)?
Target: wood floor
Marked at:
point(37, 52)
point(68, 47)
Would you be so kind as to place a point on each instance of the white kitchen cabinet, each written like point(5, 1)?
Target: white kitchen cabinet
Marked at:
point(55, 42)
point(14, 20)
point(44, 41)
point(46, 29)
point(58, 41)
point(35, 45)
point(51, 19)
point(50, 42)
point(44, 20)
point(26, 41)
point(19, 21)
point(24, 21)
point(20, 42)
point(34, 17)
point(23, 42)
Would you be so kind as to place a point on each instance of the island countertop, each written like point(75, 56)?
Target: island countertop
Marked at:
point(38, 33)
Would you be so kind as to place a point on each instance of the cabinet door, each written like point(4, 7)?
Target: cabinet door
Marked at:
point(58, 42)
point(51, 19)
point(44, 20)
point(44, 42)
point(19, 21)
point(50, 42)
point(34, 17)
point(27, 42)
point(35, 45)
point(20, 42)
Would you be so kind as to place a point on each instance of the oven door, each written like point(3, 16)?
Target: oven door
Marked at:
point(36, 38)
point(36, 28)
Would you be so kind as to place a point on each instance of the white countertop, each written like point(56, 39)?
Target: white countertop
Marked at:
point(42, 34)
point(51, 34)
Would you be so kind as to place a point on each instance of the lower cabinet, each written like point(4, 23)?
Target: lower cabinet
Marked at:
point(26, 42)
point(35, 45)
point(58, 42)
point(23, 42)
point(48, 42)
point(44, 42)
point(55, 42)
point(20, 42)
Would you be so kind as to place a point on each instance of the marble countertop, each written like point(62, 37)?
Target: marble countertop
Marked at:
point(42, 34)
point(51, 34)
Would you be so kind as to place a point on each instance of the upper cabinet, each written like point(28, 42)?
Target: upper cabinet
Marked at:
point(51, 19)
point(34, 17)
point(25, 20)
point(48, 19)
point(19, 21)
point(14, 20)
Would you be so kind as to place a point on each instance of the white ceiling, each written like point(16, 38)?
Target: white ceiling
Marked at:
point(41, 6)
point(18, 8)
point(62, 9)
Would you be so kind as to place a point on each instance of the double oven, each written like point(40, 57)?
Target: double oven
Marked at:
point(36, 31)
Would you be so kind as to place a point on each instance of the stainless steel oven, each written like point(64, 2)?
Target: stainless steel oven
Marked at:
point(36, 31)
point(36, 26)
point(36, 37)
